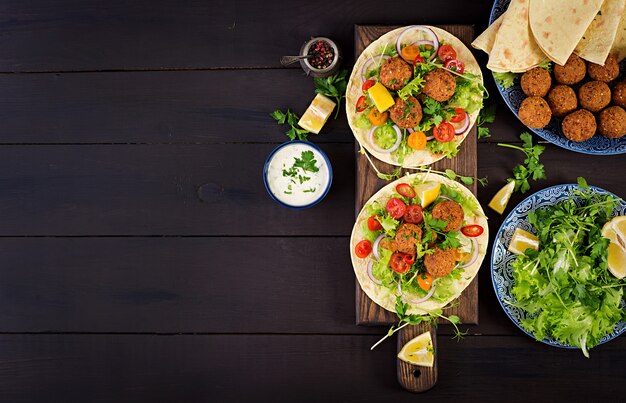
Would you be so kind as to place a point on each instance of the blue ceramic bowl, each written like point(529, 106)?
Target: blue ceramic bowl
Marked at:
point(501, 258)
point(266, 168)
point(513, 96)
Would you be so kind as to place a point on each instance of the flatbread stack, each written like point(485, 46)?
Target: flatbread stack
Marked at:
point(532, 32)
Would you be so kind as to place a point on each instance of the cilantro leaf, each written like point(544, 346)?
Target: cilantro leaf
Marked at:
point(333, 87)
point(531, 167)
point(486, 115)
point(291, 119)
point(306, 161)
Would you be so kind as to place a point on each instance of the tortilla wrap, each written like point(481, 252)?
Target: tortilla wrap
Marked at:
point(386, 297)
point(619, 45)
point(354, 91)
point(558, 25)
point(599, 37)
point(486, 40)
point(514, 48)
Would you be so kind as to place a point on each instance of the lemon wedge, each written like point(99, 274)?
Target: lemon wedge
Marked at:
point(419, 351)
point(500, 200)
point(523, 240)
point(316, 114)
point(615, 231)
point(381, 97)
point(427, 192)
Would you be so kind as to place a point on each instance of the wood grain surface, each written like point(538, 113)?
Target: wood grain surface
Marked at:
point(367, 183)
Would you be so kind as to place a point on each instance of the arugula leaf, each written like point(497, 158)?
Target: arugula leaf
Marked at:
point(505, 79)
point(291, 119)
point(531, 168)
point(333, 87)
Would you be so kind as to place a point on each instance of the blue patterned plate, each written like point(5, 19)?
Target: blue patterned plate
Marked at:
point(513, 96)
point(501, 258)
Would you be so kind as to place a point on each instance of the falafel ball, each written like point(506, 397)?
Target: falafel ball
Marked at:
point(439, 85)
point(619, 94)
point(536, 82)
point(407, 236)
point(450, 212)
point(594, 95)
point(406, 114)
point(579, 126)
point(535, 112)
point(606, 73)
point(562, 100)
point(441, 262)
point(572, 72)
point(395, 73)
point(613, 122)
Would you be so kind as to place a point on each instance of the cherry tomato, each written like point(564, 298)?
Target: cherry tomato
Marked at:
point(368, 84)
point(377, 118)
point(414, 214)
point(408, 259)
point(459, 116)
point(396, 208)
point(455, 65)
point(361, 104)
point(418, 59)
point(373, 224)
point(446, 52)
point(363, 248)
point(398, 264)
point(444, 132)
point(405, 190)
point(472, 230)
point(417, 140)
point(425, 281)
point(409, 53)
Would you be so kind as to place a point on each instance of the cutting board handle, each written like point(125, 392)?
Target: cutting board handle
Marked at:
point(412, 377)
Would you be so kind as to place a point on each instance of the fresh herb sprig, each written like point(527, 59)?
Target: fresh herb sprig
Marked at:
point(290, 118)
point(333, 87)
point(467, 180)
point(531, 167)
point(412, 319)
point(486, 115)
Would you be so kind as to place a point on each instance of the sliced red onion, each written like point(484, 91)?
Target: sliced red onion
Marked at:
point(434, 40)
point(463, 128)
point(369, 62)
point(376, 245)
point(474, 254)
point(389, 150)
point(423, 42)
point(444, 197)
point(430, 138)
point(411, 130)
point(371, 275)
point(416, 301)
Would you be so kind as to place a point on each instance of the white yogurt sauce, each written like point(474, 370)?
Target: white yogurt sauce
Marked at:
point(296, 191)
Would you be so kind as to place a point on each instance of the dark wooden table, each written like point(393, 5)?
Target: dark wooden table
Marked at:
point(141, 258)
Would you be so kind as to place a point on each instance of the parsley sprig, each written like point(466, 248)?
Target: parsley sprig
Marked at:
point(333, 87)
point(486, 115)
point(291, 119)
point(413, 319)
point(531, 167)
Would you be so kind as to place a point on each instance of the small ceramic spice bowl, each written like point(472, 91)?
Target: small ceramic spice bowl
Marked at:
point(324, 57)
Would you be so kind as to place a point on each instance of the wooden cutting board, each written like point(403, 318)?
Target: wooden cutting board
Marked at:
point(416, 379)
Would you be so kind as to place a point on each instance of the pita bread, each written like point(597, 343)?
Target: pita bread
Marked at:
point(619, 45)
point(486, 40)
point(386, 297)
point(353, 92)
point(596, 43)
point(558, 25)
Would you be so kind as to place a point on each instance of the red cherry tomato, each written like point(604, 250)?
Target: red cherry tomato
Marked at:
point(368, 84)
point(472, 230)
point(363, 248)
point(405, 190)
point(360, 104)
point(459, 116)
point(373, 224)
point(444, 132)
point(455, 65)
point(396, 208)
point(408, 259)
point(446, 52)
point(418, 59)
point(414, 214)
point(398, 264)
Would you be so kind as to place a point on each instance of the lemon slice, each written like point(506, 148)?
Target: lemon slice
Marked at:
point(427, 192)
point(419, 351)
point(523, 240)
point(316, 114)
point(381, 97)
point(615, 231)
point(500, 200)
